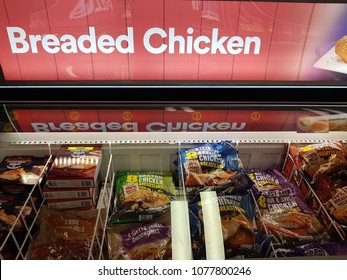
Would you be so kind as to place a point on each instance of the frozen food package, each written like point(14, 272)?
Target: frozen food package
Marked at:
point(265, 180)
point(22, 170)
point(142, 196)
point(322, 249)
point(338, 248)
point(239, 184)
point(141, 241)
point(16, 206)
point(16, 214)
point(336, 171)
point(209, 164)
point(64, 235)
point(21, 178)
point(75, 166)
point(236, 212)
point(284, 214)
point(305, 250)
point(337, 206)
point(273, 179)
point(328, 179)
point(309, 158)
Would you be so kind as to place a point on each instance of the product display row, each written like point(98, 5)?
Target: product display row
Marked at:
point(201, 201)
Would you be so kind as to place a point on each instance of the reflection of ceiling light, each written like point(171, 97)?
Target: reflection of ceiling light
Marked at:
point(70, 71)
point(333, 111)
point(316, 112)
point(170, 109)
point(188, 109)
point(327, 114)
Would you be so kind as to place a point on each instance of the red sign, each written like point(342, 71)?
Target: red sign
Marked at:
point(171, 40)
point(173, 120)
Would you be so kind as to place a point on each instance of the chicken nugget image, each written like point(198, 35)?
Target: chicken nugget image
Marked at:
point(341, 48)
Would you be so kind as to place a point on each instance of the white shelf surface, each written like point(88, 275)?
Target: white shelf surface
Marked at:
point(168, 137)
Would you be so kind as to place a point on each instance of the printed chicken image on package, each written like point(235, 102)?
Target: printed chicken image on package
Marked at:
point(236, 214)
point(309, 158)
point(141, 241)
point(64, 235)
point(283, 211)
point(22, 170)
point(142, 196)
point(209, 165)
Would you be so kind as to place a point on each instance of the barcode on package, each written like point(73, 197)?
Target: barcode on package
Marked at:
point(86, 203)
point(69, 204)
point(82, 194)
point(86, 183)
